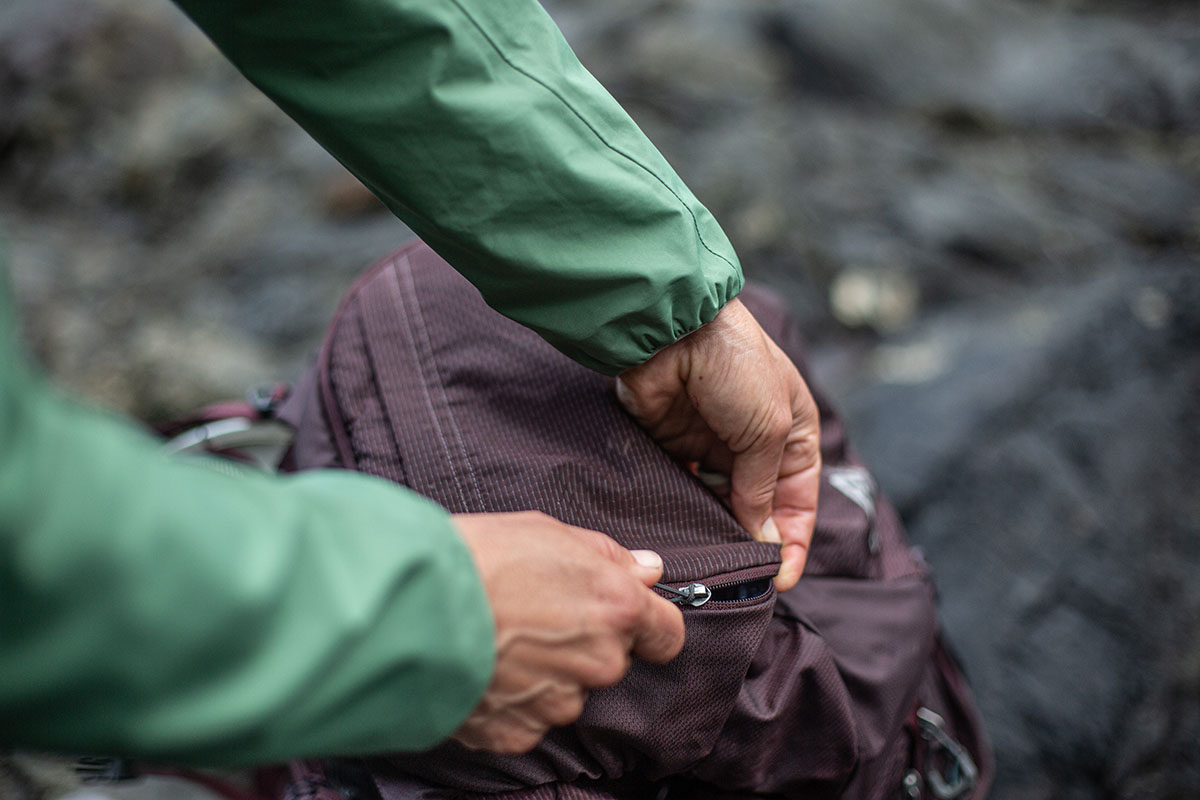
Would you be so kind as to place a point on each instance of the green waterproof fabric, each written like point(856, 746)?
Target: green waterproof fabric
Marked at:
point(163, 609)
point(476, 125)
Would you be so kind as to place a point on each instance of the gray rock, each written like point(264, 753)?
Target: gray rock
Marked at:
point(1048, 468)
point(1013, 64)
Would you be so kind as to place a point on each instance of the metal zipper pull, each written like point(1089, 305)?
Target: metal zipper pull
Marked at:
point(695, 594)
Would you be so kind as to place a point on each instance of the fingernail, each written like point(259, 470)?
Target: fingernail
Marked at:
point(647, 558)
point(713, 480)
point(770, 531)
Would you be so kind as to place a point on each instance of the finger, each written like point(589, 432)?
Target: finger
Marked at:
point(795, 513)
point(657, 627)
point(659, 634)
point(755, 473)
point(798, 487)
point(792, 559)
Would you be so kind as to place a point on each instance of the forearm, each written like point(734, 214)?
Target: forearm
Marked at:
point(168, 610)
point(476, 124)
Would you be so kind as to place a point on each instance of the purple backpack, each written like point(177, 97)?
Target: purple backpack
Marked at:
point(840, 688)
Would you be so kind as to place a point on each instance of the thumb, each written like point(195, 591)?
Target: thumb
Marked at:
point(647, 566)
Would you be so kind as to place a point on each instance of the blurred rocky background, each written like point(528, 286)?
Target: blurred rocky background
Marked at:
point(987, 213)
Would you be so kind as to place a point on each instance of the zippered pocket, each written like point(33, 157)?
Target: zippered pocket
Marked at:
point(679, 709)
point(661, 719)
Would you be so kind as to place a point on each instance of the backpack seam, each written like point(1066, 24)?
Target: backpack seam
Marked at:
point(431, 375)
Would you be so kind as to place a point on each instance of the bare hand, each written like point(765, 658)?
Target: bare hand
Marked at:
point(570, 606)
point(727, 397)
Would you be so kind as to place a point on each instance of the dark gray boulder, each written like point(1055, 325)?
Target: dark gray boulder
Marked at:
point(1049, 467)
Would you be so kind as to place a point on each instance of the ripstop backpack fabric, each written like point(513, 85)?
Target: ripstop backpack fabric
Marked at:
point(839, 688)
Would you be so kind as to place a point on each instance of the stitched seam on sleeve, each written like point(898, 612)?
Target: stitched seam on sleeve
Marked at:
point(589, 126)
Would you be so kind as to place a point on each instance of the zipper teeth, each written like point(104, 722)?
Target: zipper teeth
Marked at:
point(733, 583)
point(745, 601)
point(753, 574)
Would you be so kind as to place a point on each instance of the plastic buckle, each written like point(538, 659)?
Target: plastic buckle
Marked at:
point(267, 399)
point(960, 774)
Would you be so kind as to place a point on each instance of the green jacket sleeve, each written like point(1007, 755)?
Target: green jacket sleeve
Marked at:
point(476, 125)
point(165, 609)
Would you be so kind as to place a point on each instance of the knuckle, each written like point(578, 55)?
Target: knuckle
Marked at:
point(756, 495)
point(517, 735)
point(600, 545)
point(624, 612)
point(779, 425)
point(768, 428)
point(610, 667)
point(566, 709)
point(805, 449)
point(517, 741)
point(611, 590)
point(669, 637)
point(615, 666)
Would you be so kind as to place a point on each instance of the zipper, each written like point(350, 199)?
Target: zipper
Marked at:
point(747, 586)
point(694, 594)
